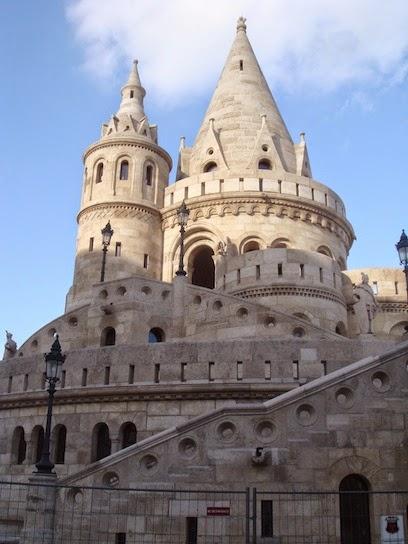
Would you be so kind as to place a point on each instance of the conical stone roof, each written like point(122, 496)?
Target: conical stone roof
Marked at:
point(242, 119)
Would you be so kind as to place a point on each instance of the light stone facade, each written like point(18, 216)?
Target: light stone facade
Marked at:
point(269, 340)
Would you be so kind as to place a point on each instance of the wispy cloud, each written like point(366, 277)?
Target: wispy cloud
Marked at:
point(319, 45)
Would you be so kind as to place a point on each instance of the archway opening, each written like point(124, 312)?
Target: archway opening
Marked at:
point(156, 335)
point(128, 434)
point(18, 446)
point(202, 267)
point(252, 245)
point(60, 440)
point(101, 442)
point(108, 337)
point(354, 510)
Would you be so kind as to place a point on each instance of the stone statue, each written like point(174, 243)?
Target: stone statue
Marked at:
point(364, 278)
point(222, 248)
point(10, 347)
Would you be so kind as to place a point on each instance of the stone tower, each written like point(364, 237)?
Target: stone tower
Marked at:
point(260, 226)
point(125, 174)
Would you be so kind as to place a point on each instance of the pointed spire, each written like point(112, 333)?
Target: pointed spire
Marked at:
point(132, 95)
point(242, 96)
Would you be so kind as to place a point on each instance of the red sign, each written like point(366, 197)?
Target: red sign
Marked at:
point(218, 511)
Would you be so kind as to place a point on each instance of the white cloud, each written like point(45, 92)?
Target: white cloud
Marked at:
point(318, 45)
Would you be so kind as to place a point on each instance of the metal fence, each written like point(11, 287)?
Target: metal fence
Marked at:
point(52, 514)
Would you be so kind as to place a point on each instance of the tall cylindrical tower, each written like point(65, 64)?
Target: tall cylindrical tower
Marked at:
point(125, 174)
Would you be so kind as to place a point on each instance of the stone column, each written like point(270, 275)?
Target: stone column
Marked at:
point(40, 510)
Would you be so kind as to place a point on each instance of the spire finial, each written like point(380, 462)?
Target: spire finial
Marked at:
point(302, 137)
point(241, 26)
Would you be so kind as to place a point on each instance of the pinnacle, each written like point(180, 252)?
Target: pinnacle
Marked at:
point(241, 26)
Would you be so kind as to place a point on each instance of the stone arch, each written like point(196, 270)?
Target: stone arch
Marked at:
point(324, 250)
point(280, 243)
point(127, 434)
point(149, 179)
point(18, 446)
point(108, 336)
point(399, 329)
point(353, 464)
point(354, 509)
point(118, 170)
point(210, 166)
point(264, 164)
point(99, 170)
point(101, 442)
point(156, 335)
point(197, 235)
point(201, 267)
point(341, 329)
point(252, 239)
point(37, 442)
point(59, 441)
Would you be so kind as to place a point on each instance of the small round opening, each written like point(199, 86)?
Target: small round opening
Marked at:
point(381, 381)
point(146, 290)
point(52, 332)
point(210, 151)
point(165, 294)
point(103, 294)
point(34, 344)
point(73, 321)
point(242, 313)
point(217, 305)
point(265, 147)
point(197, 300)
point(121, 291)
point(270, 321)
point(298, 332)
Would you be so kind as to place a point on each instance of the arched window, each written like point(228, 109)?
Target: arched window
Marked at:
point(324, 250)
point(127, 434)
point(101, 442)
point(280, 243)
point(99, 172)
point(108, 337)
point(252, 245)
point(201, 267)
point(341, 328)
point(124, 170)
point(149, 174)
point(37, 440)
point(354, 510)
point(18, 446)
point(156, 335)
point(59, 440)
point(210, 166)
point(264, 164)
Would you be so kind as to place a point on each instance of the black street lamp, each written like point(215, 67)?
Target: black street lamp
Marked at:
point(402, 248)
point(107, 233)
point(53, 363)
point(182, 218)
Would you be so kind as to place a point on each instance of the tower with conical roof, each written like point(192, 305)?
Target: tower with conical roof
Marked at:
point(125, 174)
point(260, 225)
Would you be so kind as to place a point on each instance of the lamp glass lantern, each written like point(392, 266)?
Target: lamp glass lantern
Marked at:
point(402, 248)
point(182, 215)
point(107, 233)
point(54, 361)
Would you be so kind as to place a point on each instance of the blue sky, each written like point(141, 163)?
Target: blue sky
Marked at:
point(341, 78)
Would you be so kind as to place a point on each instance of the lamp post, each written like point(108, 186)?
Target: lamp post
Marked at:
point(107, 233)
point(53, 363)
point(182, 218)
point(402, 248)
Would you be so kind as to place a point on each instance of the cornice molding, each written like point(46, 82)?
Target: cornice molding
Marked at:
point(129, 393)
point(119, 206)
point(266, 201)
point(289, 290)
point(141, 144)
